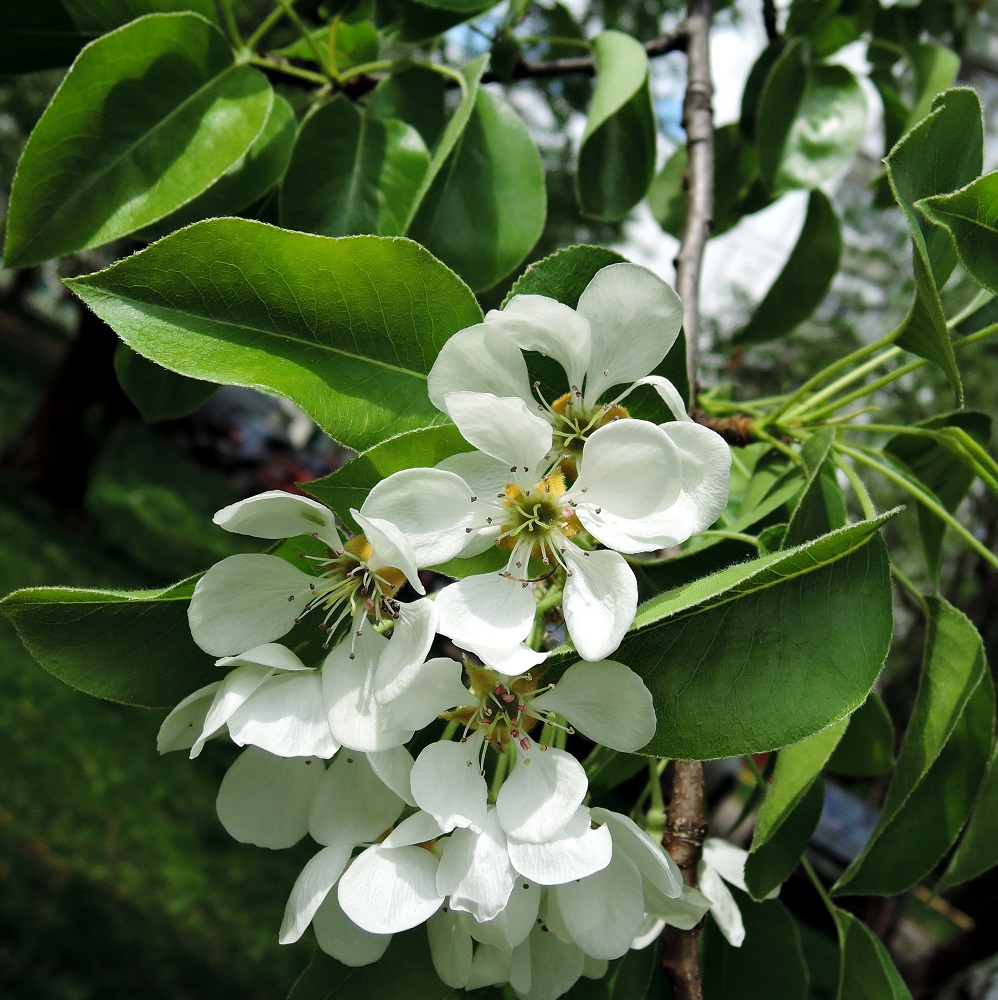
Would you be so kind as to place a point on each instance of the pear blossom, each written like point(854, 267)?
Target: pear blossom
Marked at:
point(512, 492)
point(722, 862)
point(252, 599)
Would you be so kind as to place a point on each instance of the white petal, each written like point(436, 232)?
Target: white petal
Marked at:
point(606, 701)
point(447, 782)
point(480, 358)
point(182, 727)
point(599, 601)
point(265, 800)
point(356, 718)
point(235, 688)
point(277, 514)
point(432, 507)
point(475, 870)
point(512, 662)
point(651, 859)
point(394, 767)
point(311, 888)
point(578, 851)
point(555, 967)
point(487, 476)
point(539, 323)
point(402, 660)
point(270, 654)
point(285, 715)
point(684, 911)
point(490, 966)
point(541, 795)
point(668, 393)
point(595, 968)
point(629, 468)
point(635, 318)
point(450, 947)
point(603, 912)
point(723, 907)
point(706, 475)
point(389, 547)
point(351, 804)
point(727, 860)
point(419, 828)
point(340, 937)
point(387, 890)
point(649, 931)
point(488, 610)
point(436, 688)
point(514, 923)
point(503, 427)
point(243, 601)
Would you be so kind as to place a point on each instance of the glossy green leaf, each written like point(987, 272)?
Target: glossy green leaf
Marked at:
point(971, 216)
point(345, 328)
point(245, 182)
point(48, 33)
point(135, 648)
point(158, 393)
point(769, 964)
point(941, 762)
point(797, 768)
point(349, 485)
point(355, 44)
point(764, 653)
point(771, 864)
point(866, 971)
point(416, 97)
point(977, 851)
point(810, 122)
point(821, 507)
point(147, 118)
point(452, 133)
point(940, 154)
point(410, 21)
point(805, 278)
point(867, 748)
point(486, 209)
point(752, 93)
point(564, 275)
point(352, 174)
point(947, 476)
point(935, 68)
point(617, 155)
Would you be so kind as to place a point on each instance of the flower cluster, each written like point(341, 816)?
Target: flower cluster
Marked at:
point(486, 836)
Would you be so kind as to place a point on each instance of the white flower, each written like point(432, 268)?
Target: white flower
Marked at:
point(723, 862)
point(248, 600)
point(631, 475)
point(605, 700)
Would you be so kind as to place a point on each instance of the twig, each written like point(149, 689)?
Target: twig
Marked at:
point(769, 20)
point(698, 120)
point(684, 833)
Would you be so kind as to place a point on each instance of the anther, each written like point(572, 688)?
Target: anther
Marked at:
point(585, 489)
point(467, 531)
point(512, 468)
point(291, 598)
point(302, 555)
point(352, 656)
point(311, 586)
point(606, 372)
point(473, 499)
point(298, 621)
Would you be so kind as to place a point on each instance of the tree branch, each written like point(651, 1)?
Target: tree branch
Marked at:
point(698, 120)
point(769, 20)
point(684, 833)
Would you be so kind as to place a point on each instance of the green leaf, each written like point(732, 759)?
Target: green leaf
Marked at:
point(409, 21)
point(245, 182)
point(158, 393)
point(941, 762)
point(355, 44)
point(564, 275)
point(866, 971)
point(805, 278)
point(147, 118)
point(810, 122)
point(971, 216)
point(770, 865)
point(752, 970)
point(946, 475)
point(754, 85)
point(345, 328)
point(351, 173)
point(617, 155)
point(606, 769)
point(349, 485)
point(821, 507)
point(978, 849)
point(940, 154)
point(48, 33)
point(486, 210)
point(935, 68)
point(867, 748)
point(415, 96)
point(764, 653)
point(135, 648)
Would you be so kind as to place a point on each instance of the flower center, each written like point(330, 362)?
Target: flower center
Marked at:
point(572, 421)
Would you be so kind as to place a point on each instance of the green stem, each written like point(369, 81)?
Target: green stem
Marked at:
point(841, 383)
point(780, 447)
point(230, 23)
point(303, 30)
point(447, 71)
point(909, 585)
point(922, 497)
point(816, 882)
point(735, 536)
point(858, 487)
point(578, 43)
point(302, 74)
point(265, 25)
point(371, 67)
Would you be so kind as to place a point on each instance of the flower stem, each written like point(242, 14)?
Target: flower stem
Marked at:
point(288, 70)
point(265, 25)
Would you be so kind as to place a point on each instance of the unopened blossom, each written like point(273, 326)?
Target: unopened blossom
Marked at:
point(248, 600)
point(513, 493)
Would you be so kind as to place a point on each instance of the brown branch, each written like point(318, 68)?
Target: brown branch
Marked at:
point(698, 120)
point(684, 833)
point(769, 20)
